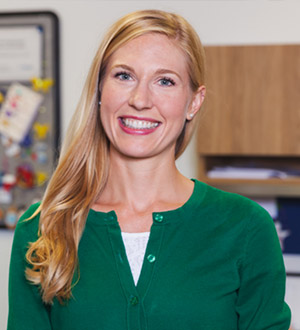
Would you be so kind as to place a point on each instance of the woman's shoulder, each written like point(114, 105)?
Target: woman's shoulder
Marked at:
point(227, 204)
point(235, 217)
point(28, 225)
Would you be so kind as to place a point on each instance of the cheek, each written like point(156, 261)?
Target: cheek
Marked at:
point(108, 120)
point(107, 100)
point(106, 116)
point(112, 90)
point(110, 103)
point(174, 107)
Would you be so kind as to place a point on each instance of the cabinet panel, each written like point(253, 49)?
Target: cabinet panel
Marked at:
point(253, 101)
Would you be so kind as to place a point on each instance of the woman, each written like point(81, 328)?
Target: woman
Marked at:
point(122, 240)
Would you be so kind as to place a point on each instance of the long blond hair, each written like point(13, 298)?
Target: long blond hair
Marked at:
point(83, 165)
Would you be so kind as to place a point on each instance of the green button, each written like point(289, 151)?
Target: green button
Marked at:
point(158, 217)
point(134, 300)
point(151, 258)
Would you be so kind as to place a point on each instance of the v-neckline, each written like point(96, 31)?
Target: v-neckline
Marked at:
point(149, 260)
point(160, 221)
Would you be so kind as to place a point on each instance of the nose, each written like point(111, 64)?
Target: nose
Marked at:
point(140, 97)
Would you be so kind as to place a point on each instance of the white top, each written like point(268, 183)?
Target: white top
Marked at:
point(135, 246)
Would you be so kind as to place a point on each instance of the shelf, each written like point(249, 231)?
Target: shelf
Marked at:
point(251, 120)
point(289, 187)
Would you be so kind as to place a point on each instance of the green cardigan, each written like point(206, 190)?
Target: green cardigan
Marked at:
point(214, 263)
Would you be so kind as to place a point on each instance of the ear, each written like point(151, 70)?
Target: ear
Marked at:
point(196, 103)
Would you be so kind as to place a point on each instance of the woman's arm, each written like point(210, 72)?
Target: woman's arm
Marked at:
point(26, 309)
point(260, 302)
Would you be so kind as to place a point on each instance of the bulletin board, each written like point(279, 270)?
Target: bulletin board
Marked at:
point(29, 109)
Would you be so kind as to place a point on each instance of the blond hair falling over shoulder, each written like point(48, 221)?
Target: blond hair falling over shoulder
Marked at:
point(83, 165)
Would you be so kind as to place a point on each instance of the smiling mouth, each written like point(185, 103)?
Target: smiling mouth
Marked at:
point(139, 124)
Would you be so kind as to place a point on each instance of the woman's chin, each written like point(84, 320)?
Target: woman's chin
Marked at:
point(137, 152)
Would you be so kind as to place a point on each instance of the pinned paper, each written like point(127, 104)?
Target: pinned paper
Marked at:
point(18, 111)
point(42, 85)
point(6, 142)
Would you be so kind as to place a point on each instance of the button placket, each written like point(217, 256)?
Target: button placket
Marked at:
point(151, 254)
point(158, 218)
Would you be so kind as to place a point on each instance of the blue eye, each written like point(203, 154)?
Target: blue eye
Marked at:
point(167, 82)
point(123, 76)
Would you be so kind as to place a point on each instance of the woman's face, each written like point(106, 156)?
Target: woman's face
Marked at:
point(146, 97)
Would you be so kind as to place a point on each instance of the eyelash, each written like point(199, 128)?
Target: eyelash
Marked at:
point(122, 73)
point(168, 80)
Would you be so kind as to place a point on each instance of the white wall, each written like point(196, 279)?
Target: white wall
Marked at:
point(217, 22)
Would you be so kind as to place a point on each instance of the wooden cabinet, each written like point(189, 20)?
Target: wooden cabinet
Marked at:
point(251, 116)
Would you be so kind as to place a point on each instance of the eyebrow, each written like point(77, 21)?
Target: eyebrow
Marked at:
point(159, 71)
point(123, 66)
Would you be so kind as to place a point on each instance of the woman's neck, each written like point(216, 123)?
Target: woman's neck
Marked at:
point(143, 184)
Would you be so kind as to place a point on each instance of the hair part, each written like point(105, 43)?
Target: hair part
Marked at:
point(83, 165)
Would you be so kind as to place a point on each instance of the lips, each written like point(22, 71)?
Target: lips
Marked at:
point(134, 125)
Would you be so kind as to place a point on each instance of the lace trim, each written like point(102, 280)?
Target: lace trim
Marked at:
point(135, 246)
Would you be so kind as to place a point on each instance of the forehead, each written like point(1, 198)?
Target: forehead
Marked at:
point(150, 50)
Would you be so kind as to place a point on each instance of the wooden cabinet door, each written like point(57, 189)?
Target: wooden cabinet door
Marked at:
point(253, 101)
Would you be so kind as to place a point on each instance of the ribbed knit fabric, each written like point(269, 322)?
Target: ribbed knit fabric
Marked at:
point(215, 263)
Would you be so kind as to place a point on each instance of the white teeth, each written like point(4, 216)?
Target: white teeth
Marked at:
point(138, 124)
